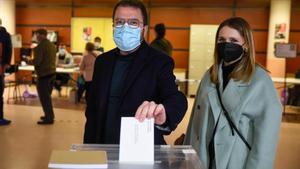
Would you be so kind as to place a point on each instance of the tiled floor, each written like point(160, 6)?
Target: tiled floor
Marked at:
point(25, 145)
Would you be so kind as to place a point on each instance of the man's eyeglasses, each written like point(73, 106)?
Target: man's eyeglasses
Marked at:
point(133, 23)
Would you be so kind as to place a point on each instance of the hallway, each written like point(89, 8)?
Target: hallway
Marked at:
point(26, 145)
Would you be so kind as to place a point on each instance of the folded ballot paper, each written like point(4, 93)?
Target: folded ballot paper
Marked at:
point(136, 141)
point(77, 159)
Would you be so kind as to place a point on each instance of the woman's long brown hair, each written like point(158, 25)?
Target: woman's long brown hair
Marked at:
point(246, 67)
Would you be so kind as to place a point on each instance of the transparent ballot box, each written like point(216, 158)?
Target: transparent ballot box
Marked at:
point(166, 157)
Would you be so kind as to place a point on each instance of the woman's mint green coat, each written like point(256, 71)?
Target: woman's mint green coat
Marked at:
point(256, 111)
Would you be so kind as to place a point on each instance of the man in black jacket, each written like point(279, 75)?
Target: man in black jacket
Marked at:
point(160, 42)
point(132, 80)
point(5, 58)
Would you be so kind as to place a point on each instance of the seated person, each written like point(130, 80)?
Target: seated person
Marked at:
point(63, 59)
point(25, 55)
point(98, 48)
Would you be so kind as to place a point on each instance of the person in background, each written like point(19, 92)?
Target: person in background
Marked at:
point(63, 59)
point(5, 59)
point(237, 113)
point(132, 80)
point(160, 42)
point(98, 47)
point(45, 67)
point(87, 69)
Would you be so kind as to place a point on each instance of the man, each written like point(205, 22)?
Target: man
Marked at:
point(63, 57)
point(97, 44)
point(44, 65)
point(160, 42)
point(5, 58)
point(132, 80)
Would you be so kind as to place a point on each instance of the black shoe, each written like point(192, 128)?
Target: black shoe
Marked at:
point(45, 122)
point(43, 118)
point(4, 122)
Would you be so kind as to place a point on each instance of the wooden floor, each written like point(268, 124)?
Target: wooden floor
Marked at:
point(26, 145)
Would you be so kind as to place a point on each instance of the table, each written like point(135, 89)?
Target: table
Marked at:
point(165, 156)
point(73, 71)
point(58, 69)
point(287, 80)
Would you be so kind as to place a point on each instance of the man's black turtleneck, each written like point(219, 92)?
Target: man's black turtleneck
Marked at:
point(119, 75)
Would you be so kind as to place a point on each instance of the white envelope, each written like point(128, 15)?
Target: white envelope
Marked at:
point(136, 141)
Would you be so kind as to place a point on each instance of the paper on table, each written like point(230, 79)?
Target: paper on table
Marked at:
point(136, 141)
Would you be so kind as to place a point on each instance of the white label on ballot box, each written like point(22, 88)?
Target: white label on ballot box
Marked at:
point(136, 141)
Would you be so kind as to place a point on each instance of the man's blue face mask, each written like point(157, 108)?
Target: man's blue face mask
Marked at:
point(127, 38)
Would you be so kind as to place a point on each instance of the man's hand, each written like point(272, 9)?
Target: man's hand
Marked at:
point(151, 110)
point(6, 66)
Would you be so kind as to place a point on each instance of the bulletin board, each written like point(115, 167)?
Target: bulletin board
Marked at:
point(84, 30)
point(201, 54)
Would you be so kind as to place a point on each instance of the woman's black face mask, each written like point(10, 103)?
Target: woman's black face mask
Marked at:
point(229, 51)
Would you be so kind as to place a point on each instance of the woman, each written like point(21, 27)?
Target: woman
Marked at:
point(243, 133)
point(87, 68)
